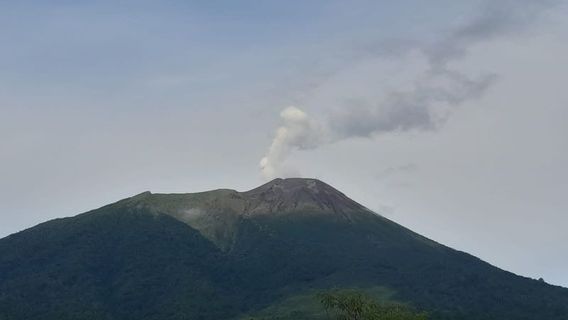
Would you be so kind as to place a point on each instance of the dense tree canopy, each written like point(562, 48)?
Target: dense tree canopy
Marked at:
point(353, 305)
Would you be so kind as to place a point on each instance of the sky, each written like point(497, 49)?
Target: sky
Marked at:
point(448, 117)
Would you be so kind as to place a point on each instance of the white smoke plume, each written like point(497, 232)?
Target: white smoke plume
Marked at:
point(435, 91)
point(298, 131)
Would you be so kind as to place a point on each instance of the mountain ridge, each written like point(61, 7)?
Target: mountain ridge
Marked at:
point(216, 213)
point(287, 194)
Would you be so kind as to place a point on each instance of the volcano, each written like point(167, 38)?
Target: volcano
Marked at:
point(224, 254)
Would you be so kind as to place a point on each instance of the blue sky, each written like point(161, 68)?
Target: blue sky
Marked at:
point(100, 100)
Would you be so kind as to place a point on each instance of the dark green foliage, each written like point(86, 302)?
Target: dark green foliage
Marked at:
point(112, 265)
point(354, 305)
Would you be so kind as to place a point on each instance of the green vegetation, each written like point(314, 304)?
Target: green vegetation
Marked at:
point(354, 305)
point(339, 304)
point(307, 305)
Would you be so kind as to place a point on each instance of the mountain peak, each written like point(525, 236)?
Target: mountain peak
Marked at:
point(299, 194)
point(292, 184)
point(217, 214)
point(277, 197)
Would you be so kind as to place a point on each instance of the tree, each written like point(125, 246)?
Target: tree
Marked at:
point(353, 305)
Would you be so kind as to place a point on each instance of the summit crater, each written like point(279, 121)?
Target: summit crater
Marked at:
point(298, 195)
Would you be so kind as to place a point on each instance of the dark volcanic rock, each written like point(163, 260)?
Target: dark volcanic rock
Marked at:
point(297, 194)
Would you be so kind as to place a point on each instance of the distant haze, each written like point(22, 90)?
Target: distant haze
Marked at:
point(446, 117)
